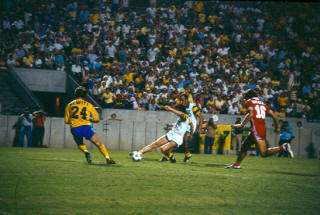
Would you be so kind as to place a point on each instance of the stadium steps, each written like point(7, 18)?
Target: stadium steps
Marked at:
point(10, 102)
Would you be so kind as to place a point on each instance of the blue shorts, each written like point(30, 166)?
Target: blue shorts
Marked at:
point(82, 131)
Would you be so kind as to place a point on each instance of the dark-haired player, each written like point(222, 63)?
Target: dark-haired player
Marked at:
point(79, 114)
point(257, 113)
point(174, 138)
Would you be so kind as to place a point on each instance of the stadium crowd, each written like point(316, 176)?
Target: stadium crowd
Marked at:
point(144, 59)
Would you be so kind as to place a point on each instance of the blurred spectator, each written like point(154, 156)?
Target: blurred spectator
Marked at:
point(40, 118)
point(286, 136)
point(114, 117)
point(299, 124)
point(209, 137)
point(26, 122)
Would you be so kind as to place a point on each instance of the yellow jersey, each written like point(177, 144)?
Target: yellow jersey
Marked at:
point(80, 112)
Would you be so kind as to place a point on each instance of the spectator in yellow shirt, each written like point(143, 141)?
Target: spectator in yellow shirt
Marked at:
point(202, 17)
point(108, 97)
point(283, 100)
point(128, 78)
point(199, 6)
point(94, 17)
point(28, 61)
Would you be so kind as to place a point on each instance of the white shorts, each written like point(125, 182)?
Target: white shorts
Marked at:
point(172, 136)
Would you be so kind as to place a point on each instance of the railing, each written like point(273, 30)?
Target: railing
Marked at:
point(23, 91)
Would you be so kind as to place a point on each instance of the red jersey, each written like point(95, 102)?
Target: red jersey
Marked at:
point(259, 110)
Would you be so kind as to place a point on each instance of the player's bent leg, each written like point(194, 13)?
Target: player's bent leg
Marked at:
point(262, 147)
point(249, 140)
point(243, 152)
point(97, 142)
point(84, 149)
point(167, 151)
point(186, 139)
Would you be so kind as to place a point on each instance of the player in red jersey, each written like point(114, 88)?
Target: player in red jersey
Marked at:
point(257, 113)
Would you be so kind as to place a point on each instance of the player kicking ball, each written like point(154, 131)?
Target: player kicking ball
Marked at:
point(79, 114)
point(174, 138)
point(257, 113)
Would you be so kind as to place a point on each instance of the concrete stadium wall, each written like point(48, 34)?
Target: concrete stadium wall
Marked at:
point(43, 80)
point(138, 129)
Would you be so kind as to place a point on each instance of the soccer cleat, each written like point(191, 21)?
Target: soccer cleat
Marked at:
point(186, 158)
point(232, 166)
point(172, 159)
point(88, 157)
point(110, 161)
point(163, 159)
point(287, 148)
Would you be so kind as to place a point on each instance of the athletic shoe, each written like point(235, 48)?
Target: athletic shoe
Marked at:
point(110, 161)
point(163, 159)
point(172, 159)
point(186, 158)
point(287, 148)
point(232, 166)
point(88, 157)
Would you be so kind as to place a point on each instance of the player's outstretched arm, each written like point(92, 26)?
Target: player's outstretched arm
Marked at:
point(179, 113)
point(244, 121)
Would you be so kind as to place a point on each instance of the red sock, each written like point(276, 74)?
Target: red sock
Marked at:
point(236, 164)
point(281, 147)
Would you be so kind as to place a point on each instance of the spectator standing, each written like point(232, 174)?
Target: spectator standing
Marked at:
point(108, 97)
point(26, 122)
point(209, 138)
point(40, 118)
point(286, 136)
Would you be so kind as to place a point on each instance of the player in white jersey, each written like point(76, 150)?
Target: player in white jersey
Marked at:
point(173, 138)
point(192, 111)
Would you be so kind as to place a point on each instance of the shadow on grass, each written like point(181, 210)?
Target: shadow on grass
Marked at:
point(295, 173)
point(76, 161)
point(207, 164)
point(152, 159)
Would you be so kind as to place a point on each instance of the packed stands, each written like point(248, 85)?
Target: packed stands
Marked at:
point(143, 58)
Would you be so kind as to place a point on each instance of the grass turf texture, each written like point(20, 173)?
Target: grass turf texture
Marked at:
point(57, 181)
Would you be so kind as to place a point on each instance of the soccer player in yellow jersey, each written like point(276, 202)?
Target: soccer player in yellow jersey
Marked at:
point(79, 114)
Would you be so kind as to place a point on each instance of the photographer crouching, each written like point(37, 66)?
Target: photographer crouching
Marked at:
point(286, 136)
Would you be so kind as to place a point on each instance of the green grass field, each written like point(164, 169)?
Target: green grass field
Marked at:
point(57, 181)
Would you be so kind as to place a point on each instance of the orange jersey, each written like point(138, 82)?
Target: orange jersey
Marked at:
point(80, 112)
point(40, 120)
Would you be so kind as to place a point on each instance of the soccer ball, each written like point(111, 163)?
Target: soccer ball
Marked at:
point(136, 156)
